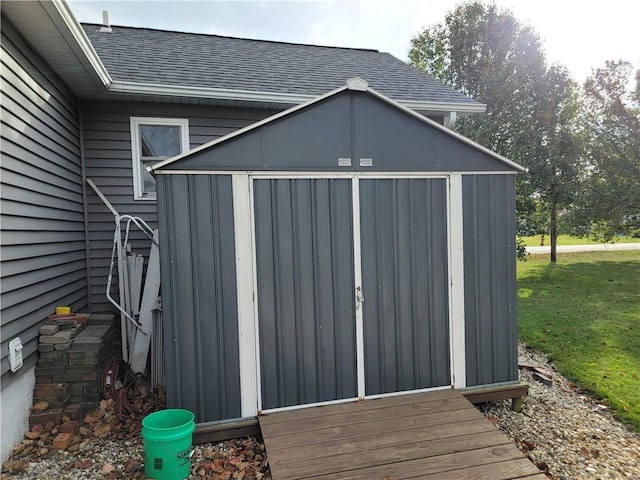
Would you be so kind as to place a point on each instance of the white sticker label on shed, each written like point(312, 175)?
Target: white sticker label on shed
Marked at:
point(366, 162)
point(344, 162)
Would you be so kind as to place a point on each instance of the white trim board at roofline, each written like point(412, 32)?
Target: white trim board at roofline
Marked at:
point(352, 84)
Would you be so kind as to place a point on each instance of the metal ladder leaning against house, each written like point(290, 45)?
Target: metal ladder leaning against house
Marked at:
point(137, 315)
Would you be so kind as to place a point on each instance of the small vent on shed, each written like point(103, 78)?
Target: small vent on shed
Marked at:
point(357, 83)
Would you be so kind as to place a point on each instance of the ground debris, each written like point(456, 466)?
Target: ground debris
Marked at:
point(108, 445)
point(236, 459)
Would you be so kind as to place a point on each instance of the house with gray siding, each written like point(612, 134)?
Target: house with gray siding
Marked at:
point(105, 102)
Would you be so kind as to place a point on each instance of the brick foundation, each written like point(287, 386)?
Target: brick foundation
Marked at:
point(70, 366)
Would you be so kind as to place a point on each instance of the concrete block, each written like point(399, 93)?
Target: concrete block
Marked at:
point(62, 346)
point(50, 371)
point(61, 362)
point(63, 336)
point(54, 355)
point(45, 348)
point(49, 329)
point(81, 370)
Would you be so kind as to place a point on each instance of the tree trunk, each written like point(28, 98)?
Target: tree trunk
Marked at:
point(553, 229)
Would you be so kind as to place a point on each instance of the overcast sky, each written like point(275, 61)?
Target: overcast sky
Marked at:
point(580, 34)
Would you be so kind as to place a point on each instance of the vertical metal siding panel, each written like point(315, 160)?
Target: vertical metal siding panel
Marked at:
point(404, 263)
point(199, 295)
point(107, 138)
point(168, 288)
point(43, 260)
point(490, 286)
point(305, 294)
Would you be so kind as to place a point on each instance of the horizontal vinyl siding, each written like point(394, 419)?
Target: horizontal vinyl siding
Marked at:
point(107, 148)
point(42, 244)
point(490, 282)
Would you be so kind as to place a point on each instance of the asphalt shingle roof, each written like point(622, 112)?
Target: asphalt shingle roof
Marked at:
point(163, 57)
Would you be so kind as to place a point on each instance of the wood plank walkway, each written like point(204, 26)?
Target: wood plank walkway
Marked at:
point(435, 435)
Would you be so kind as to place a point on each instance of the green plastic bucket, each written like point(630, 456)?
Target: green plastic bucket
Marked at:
point(167, 438)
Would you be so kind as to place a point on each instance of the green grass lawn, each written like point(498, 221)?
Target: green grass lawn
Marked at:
point(584, 312)
point(534, 240)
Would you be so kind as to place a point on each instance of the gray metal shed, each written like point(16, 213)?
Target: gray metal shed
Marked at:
point(346, 248)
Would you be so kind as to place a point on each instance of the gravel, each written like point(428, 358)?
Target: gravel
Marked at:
point(564, 431)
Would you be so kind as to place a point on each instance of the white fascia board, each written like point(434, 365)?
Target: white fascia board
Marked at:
point(136, 88)
point(213, 93)
point(464, 108)
point(82, 41)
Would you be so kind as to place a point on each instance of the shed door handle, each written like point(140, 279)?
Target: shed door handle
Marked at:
point(359, 297)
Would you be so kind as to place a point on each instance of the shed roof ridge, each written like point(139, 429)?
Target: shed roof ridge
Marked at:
point(230, 37)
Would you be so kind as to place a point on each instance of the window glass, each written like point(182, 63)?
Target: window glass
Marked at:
point(159, 141)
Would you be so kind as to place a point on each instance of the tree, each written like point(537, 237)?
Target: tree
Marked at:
point(609, 203)
point(485, 52)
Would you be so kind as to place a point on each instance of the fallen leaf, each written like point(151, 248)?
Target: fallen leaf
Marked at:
point(529, 445)
point(86, 463)
point(584, 452)
point(107, 469)
point(40, 407)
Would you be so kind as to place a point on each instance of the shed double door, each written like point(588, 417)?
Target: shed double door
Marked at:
point(351, 288)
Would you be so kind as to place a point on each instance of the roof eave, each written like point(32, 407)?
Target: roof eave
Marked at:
point(72, 25)
point(139, 88)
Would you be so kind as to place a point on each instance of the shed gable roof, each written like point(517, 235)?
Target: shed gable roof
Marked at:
point(199, 61)
point(353, 121)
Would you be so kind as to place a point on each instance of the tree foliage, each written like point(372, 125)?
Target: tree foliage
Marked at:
point(485, 52)
point(609, 202)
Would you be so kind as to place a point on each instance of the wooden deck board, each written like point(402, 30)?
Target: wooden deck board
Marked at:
point(428, 435)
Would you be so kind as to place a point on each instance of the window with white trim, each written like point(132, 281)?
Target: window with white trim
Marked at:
point(154, 140)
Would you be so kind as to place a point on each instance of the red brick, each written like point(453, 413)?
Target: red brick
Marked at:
point(62, 440)
point(88, 377)
point(74, 411)
point(70, 426)
point(46, 417)
point(50, 390)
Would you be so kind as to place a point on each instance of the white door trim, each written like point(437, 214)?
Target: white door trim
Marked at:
point(245, 285)
point(357, 288)
point(456, 282)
